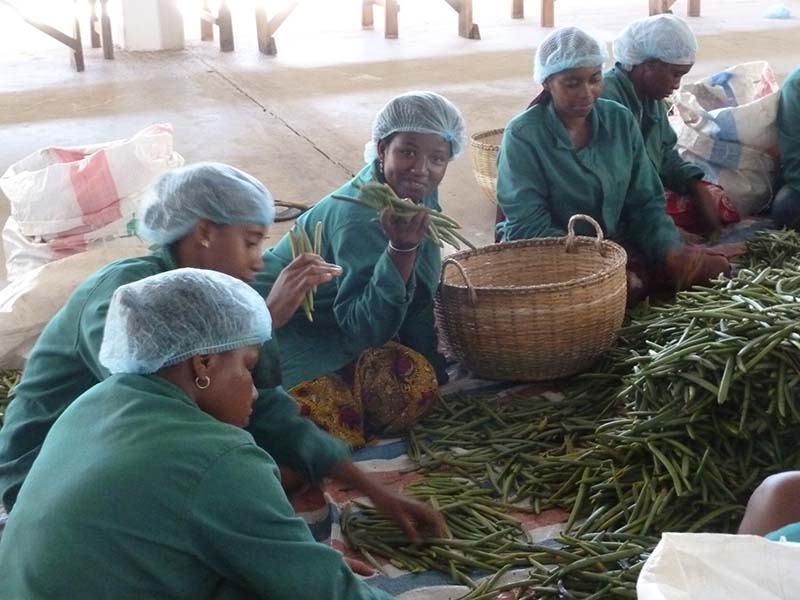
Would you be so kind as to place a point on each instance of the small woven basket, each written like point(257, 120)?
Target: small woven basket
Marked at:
point(484, 147)
point(535, 309)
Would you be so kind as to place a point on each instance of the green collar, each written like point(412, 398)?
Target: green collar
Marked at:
point(557, 129)
point(647, 108)
point(164, 253)
point(156, 384)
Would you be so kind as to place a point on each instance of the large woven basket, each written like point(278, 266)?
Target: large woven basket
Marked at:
point(535, 309)
point(484, 147)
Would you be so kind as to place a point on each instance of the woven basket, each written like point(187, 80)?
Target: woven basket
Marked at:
point(535, 309)
point(485, 145)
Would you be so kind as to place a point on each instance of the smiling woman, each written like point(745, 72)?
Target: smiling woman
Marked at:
point(345, 368)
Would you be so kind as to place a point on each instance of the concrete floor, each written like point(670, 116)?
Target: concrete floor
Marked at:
point(299, 121)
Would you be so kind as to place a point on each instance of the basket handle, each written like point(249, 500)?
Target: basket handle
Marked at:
point(473, 296)
point(571, 233)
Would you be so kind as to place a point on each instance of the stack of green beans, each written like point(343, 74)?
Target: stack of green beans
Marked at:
point(771, 249)
point(482, 536)
point(711, 405)
point(486, 539)
point(301, 244)
point(585, 567)
point(380, 196)
point(696, 405)
point(8, 381)
point(515, 446)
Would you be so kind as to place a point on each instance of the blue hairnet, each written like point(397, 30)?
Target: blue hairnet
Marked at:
point(663, 37)
point(418, 112)
point(167, 318)
point(215, 192)
point(567, 48)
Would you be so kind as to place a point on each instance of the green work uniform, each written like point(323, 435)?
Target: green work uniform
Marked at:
point(64, 364)
point(660, 140)
point(542, 180)
point(789, 129)
point(137, 493)
point(369, 304)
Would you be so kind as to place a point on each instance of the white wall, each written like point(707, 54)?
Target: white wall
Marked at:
point(150, 25)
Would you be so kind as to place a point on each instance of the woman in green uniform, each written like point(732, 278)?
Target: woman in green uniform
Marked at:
point(652, 55)
point(148, 486)
point(786, 206)
point(208, 216)
point(574, 152)
point(344, 366)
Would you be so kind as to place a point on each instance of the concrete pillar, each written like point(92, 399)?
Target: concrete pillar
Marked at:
point(150, 25)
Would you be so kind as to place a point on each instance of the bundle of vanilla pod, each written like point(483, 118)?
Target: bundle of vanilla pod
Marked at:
point(381, 196)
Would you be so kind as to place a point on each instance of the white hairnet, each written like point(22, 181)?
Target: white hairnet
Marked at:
point(215, 192)
point(567, 48)
point(663, 37)
point(167, 318)
point(418, 112)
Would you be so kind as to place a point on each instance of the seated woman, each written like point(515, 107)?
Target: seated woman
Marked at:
point(774, 508)
point(344, 367)
point(162, 494)
point(208, 216)
point(786, 206)
point(652, 55)
point(574, 152)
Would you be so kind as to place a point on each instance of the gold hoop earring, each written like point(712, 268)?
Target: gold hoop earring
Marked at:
point(202, 383)
point(205, 243)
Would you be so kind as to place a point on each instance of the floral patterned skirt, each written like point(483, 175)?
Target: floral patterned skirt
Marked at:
point(384, 392)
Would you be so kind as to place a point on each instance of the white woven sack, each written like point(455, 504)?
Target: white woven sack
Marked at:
point(709, 566)
point(726, 124)
point(58, 190)
point(29, 302)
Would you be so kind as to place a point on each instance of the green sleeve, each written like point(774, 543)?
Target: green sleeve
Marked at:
point(277, 426)
point(647, 223)
point(371, 297)
point(419, 333)
point(675, 173)
point(612, 89)
point(244, 528)
point(92, 319)
point(522, 190)
point(789, 130)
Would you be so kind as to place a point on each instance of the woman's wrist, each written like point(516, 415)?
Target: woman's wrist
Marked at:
point(402, 250)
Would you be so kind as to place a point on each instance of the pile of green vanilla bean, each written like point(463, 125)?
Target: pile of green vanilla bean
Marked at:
point(380, 196)
point(693, 408)
point(485, 539)
point(481, 535)
point(8, 381)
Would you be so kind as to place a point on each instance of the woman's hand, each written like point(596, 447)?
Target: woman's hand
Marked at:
point(358, 567)
point(291, 286)
point(694, 265)
point(707, 205)
point(404, 233)
point(411, 515)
